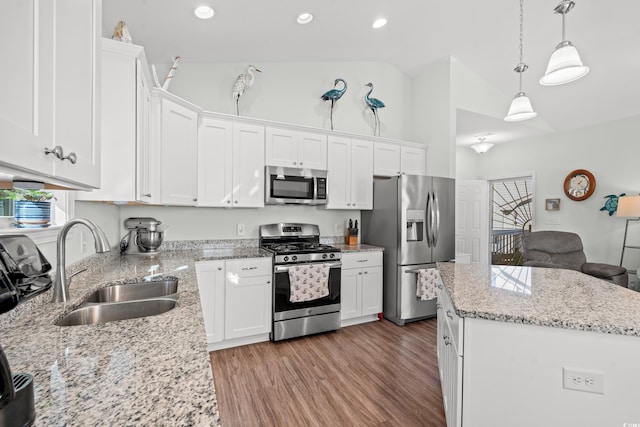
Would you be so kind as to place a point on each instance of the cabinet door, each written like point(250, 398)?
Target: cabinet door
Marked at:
point(414, 160)
point(350, 289)
point(371, 290)
point(26, 119)
point(211, 285)
point(76, 77)
point(215, 157)
point(247, 298)
point(179, 165)
point(248, 165)
point(312, 151)
point(386, 159)
point(361, 174)
point(339, 172)
point(145, 170)
point(281, 147)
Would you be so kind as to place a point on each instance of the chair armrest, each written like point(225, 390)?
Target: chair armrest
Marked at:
point(603, 271)
point(546, 265)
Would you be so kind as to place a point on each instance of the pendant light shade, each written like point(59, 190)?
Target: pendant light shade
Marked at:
point(565, 64)
point(481, 147)
point(520, 109)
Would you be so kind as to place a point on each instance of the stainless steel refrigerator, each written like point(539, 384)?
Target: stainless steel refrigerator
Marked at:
point(413, 218)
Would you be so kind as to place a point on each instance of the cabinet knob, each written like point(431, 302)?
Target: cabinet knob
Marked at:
point(300, 163)
point(195, 199)
point(360, 273)
point(236, 202)
point(71, 157)
point(56, 151)
point(268, 282)
point(438, 306)
point(219, 268)
point(147, 194)
point(366, 272)
point(446, 340)
point(294, 163)
point(228, 201)
point(449, 314)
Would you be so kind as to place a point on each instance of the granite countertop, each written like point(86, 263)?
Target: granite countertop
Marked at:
point(358, 248)
point(148, 371)
point(541, 296)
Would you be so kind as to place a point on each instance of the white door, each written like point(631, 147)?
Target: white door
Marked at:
point(361, 174)
point(414, 160)
point(386, 159)
point(281, 147)
point(211, 285)
point(248, 165)
point(339, 172)
point(372, 290)
point(350, 290)
point(215, 145)
point(145, 162)
point(312, 151)
point(472, 219)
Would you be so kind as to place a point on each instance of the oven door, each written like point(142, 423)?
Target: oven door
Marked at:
point(285, 309)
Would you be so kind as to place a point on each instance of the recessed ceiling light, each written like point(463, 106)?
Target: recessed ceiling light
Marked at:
point(305, 18)
point(379, 23)
point(204, 12)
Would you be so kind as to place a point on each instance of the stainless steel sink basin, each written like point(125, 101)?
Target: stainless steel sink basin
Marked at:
point(109, 312)
point(166, 288)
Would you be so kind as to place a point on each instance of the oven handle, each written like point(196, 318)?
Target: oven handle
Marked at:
point(285, 268)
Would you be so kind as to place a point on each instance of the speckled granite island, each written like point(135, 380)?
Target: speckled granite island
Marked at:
point(531, 346)
point(152, 371)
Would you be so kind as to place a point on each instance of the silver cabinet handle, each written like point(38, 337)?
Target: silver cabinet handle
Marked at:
point(363, 260)
point(147, 194)
point(360, 273)
point(449, 314)
point(249, 268)
point(56, 151)
point(366, 272)
point(71, 157)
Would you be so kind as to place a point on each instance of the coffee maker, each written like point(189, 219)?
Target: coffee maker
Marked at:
point(144, 237)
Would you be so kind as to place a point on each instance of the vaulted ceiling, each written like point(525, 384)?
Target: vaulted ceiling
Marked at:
point(483, 35)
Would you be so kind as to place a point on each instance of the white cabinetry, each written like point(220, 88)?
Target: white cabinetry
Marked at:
point(51, 90)
point(236, 301)
point(290, 148)
point(179, 152)
point(350, 173)
point(450, 358)
point(361, 287)
point(128, 162)
point(392, 159)
point(230, 163)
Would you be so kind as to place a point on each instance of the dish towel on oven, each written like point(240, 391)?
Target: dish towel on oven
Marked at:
point(308, 282)
point(427, 283)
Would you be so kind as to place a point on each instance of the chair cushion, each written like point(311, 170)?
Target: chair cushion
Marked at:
point(604, 271)
point(554, 247)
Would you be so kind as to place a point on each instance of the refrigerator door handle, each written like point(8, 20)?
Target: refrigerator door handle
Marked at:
point(436, 228)
point(429, 210)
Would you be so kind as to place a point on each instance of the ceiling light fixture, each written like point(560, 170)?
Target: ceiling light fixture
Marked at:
point(379, 23)
point(304, 18)
point(204, 12)
point(520, 108)
point(565, 64)
point(482, 147)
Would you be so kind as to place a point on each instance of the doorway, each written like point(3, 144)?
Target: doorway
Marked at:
point(511, 202)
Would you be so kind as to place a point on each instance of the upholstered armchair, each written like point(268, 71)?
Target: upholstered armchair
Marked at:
point(560, 249)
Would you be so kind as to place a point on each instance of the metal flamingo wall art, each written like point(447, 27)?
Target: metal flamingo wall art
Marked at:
point(242, 83)
point(374, 104)
point(333, 95)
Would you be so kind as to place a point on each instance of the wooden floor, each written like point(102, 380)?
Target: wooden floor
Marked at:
point(375, 374)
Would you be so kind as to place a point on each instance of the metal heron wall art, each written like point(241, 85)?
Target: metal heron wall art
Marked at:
point(374, 104)
point(333, 95)
point(242, 83)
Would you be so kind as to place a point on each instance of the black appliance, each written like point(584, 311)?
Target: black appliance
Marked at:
point(17, 404)
point(298, 245)
point(26, 267)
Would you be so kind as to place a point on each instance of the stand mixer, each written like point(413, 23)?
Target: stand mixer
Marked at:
point(143, 238)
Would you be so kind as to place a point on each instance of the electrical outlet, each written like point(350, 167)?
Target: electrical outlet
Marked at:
point(240, 230)
point(581, 380)
point(339, 229)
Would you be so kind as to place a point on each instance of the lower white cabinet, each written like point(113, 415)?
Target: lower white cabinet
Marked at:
point(236, 301)
point(450, 358)
point(361, 287)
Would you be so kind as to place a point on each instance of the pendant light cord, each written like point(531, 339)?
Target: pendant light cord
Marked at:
point(521, 67)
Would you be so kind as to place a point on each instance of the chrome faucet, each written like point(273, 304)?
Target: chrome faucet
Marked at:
point(61, 283)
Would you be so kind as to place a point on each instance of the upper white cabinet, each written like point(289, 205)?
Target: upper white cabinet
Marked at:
point(179, 152)
point(350, 173)
point(290, 148)
point(51, 90)
point(128, 163)
point(230, 163)
point(392, 159)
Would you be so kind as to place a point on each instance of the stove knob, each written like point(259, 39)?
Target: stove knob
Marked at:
point(324, 256)
point(286, 258)
point(332, 255)
point(293, 258)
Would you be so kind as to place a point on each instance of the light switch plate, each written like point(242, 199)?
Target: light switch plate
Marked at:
point(240, 230)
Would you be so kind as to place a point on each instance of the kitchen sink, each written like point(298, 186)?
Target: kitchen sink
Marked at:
point(109, 312)
point(166, 288)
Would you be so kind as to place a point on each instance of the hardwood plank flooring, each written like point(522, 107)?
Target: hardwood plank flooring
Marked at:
point(375, 374)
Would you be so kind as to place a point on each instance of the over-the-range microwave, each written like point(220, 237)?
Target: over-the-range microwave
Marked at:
point(294, 186)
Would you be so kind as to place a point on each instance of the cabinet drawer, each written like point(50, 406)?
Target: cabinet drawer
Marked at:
point(453, 322)
point(361, 259)
point(250, 267)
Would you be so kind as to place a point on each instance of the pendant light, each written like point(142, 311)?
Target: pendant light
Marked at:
point(565, 64)
point(481, 147)
point(520, 108)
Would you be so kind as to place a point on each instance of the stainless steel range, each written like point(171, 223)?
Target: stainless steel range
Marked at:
point(299, 258)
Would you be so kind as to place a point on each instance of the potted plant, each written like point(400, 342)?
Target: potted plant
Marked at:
point(32, 207)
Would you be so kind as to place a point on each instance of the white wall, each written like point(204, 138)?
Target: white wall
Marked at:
point(610, 151)
point(290, 92)
point(467, 163)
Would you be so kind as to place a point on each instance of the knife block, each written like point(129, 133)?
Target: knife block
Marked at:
point(352, 236)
